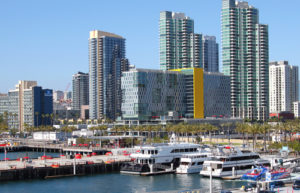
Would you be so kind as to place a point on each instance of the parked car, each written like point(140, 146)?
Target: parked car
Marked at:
point(296, 185)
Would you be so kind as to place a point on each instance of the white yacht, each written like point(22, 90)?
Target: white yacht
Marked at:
point(192, 163)
point(230, 161)
point(158, 158)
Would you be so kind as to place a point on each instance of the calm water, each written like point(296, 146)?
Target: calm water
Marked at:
point(115, 182)
point(112, 182)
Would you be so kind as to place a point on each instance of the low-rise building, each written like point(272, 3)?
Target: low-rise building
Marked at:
point(50, 136)
point(150, 94)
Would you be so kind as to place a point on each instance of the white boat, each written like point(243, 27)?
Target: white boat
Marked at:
point(158, 158)
point(230, 161)
point(192, 163)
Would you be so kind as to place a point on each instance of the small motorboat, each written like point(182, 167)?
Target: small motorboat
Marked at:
point(259, 173)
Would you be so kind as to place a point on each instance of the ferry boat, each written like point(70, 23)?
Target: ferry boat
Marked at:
point(192, 163)
point(230, 161)
point(158, 158)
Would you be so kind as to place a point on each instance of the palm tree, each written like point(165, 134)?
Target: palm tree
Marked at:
point(242, 128)
point(37, 118)
point(43, 119)
point(209, 128)
point(265, 129)
point(227, 127)
point(254, 129)
point(51, 118)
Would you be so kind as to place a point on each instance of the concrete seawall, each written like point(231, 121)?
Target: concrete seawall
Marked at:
point(30, 172)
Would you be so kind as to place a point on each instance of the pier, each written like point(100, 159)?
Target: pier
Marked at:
point(47, 167)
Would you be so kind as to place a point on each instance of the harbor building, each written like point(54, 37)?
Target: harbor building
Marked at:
point(152, 94)
point(216, 95)
point(283, 86)
point(80, 96)
point(29, 105)
point(106, 63)
point(210, 54)
point(180, 47)
point(245, 55)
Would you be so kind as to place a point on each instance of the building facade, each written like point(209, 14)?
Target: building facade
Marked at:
point(296, 109)
point(210, 54)
point(216, 95)
point(283, 86)
point(194, 98)
point(245, 55)
point(29, 105)
point(106, 63)
point(80, 96)
point(180, 47)
point(151, 94)
point(58, 95)
point(3, 104)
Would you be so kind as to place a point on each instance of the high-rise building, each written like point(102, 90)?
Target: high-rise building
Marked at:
point(80, 92)
point(210, 54)
point(245, 55)
point(283, 86)
point(29, 104)
point(180, 47)
point(216, 95)
point(152, 94)
point(106, 63)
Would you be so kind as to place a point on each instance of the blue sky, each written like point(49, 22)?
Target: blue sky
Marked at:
point(47, 40)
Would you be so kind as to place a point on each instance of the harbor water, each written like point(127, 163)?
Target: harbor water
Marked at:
point(119, 183)
point(112, 182)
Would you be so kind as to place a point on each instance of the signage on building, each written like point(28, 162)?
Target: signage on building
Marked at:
point(48, 93)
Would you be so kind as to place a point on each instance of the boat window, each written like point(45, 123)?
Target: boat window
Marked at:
point(200, 163)
point(156, 151)
point(176, 150)
point(193, 163)
point(216, 166)
point(173, 151)
point(185, 163)
point(186, 150)
point(181, 150)
point(227, 169)
point(143, 152)
point(152, 151)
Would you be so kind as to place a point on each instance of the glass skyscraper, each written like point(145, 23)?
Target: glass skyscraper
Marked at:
point(210, 54)
point(245, 55)
point(106, 63)
point(180, 47)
